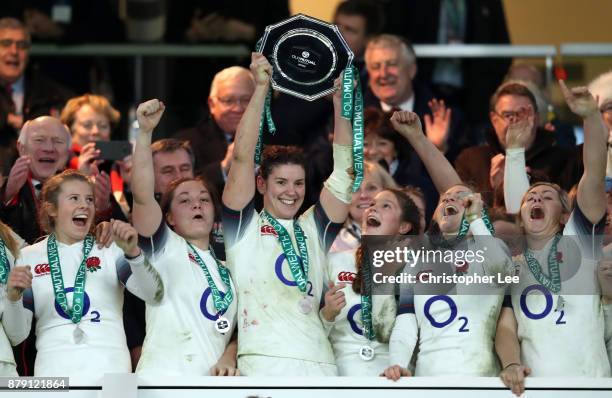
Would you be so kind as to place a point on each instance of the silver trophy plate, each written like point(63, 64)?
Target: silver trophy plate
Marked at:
point(307, 55)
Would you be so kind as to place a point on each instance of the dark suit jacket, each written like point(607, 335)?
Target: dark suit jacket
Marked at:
point(208, 143)
point(21, 214)
point(41, 97)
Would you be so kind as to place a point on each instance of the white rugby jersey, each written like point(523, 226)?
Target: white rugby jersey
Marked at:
point(269, 321)
point(566, 341)
point(346, 334)
point(181, 337)
point(456, 331)
point(104, 349)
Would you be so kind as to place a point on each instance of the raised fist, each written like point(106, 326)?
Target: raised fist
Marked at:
point(149, 113)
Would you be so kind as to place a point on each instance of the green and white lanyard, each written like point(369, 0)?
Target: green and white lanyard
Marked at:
point(299, 272)
point(76, 312)
point(352, 109)
point(366, 300)
point(266, 118)
point(552, 283)
point(464, 227)
point(4, 264)
point(221, 304)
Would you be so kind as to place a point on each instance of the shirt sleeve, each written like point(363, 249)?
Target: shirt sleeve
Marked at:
point(235, 223)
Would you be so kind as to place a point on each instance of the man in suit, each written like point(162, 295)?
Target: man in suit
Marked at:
point(230, 92)
point(24, 94)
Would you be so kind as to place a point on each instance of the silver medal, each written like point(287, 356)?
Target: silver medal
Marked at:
point(366, 353)
point(78, 335)
point(222, 325)
point(560, 303)
point(305, 305)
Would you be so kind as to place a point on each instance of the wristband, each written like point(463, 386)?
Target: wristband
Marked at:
point(510, 364)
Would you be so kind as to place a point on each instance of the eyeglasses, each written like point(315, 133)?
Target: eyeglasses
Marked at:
point(21, 44)
point(508, 115)
point(229, 101)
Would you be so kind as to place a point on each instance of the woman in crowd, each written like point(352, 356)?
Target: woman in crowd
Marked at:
point(375, 179)
point(92, 118)
point(79, 325)
point(452, 325)
point(279, 284)
point(359, 325)
point(10, 244)
point(557, 302)
point(189, 330)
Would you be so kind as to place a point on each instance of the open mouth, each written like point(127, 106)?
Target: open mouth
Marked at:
point(450, 210)
point(80, 220)
point(537, 213)
point(363, 206)
point(198, 217)
point(288, 202)
point(372, 222)
point(46, 160)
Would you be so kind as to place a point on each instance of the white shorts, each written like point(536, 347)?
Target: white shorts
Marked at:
point(262, 365)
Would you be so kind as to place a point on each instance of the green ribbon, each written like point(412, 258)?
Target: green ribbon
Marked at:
point(76, 312)
point(298, 271)
point(266, 117)
point(352, 109)
point(366, 299)
point(221, 304)
point(554, 282)
point(4, 264)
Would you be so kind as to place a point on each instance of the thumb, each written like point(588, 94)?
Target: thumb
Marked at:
point(330, 285)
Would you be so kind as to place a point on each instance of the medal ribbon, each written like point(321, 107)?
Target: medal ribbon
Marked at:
point(76, 312)
point(266, 117)
point(554, 282)
point(298, 271)
point(464, 227)
point(352, 109)
point(4, 264)
point(221, 304)
point(366, 300)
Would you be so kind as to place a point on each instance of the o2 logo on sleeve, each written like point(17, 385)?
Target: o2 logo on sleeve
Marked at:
point(278, 269)
point(452, 316)
point(204, 309)
point(86, 306)
point(547, 307)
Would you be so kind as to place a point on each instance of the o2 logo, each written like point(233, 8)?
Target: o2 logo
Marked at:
point(350, 316)
point(547, 308)
point(278, 268)
point(204, 309)
point(86, 305)
point(453, 313)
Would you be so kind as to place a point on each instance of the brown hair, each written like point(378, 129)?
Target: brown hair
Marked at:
point(512, 88)
point(8, 239)
point(169, 145)
point(168, 196)
point(99, 104)
point(278, 155)
point(410, 214)
point(50, 193)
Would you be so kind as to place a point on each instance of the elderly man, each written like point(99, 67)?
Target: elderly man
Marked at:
point(483, 166)
point(230, 92)
point(43, 151)
point(24, 95)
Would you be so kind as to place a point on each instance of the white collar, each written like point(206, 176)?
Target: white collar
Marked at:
point(407, 105)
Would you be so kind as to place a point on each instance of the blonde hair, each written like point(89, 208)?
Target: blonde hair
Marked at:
point(99, 104)
point(8, 239)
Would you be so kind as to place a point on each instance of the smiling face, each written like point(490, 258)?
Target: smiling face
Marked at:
point(363, 197)
point(74, 212)
point(14, 51)
point(229, 102)
point(283, 191)
point(542, 211)
point(46, 142)
point(90, 126)
point(192, 212)
point(450, 209)
point(384, 217)
point(376, 148)
point(390, 74)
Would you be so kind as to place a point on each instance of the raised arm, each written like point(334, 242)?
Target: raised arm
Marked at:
point(240, 186)
point(591, 197)
point(146, 213)
point(516, 182)
point(441, 171)
point(336, 195)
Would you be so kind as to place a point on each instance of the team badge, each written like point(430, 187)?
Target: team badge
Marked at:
point(42, 269)
point(93, 264)
point(346, 276)
point(268, 230)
